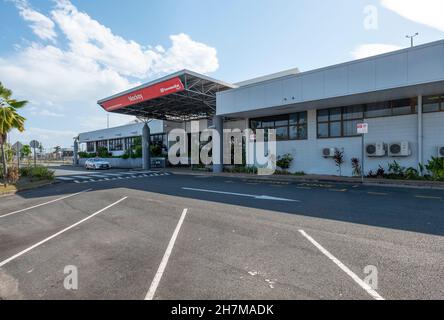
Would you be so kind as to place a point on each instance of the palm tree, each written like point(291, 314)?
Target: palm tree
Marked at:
point(9, 119)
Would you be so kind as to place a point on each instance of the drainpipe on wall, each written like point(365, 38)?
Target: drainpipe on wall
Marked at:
point(420, 131)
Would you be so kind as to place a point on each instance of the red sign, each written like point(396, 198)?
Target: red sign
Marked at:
point(155, 91)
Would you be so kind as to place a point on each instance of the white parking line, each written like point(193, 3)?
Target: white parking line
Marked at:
point(163, 264)
point(344, 268)
point(43, 204)
point(4, 262)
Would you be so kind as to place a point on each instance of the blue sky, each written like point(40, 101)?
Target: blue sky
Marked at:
point(64, 55)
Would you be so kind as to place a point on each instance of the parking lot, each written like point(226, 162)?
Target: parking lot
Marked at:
point(204, 237)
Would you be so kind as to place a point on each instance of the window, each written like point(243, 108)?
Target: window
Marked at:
point(115, 145)
point(433, 104)
point(343, 122)
point(102, 144)
point(90, 147)
point(391, 108)
point(288, 127)
point(130, 143)
point(404, 106)
point(339, 122)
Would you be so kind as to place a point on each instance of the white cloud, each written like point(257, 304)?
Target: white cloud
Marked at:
point(186, 54)
point(427, 12)
point(92, 63)
point(373, 49)
point(40, 24)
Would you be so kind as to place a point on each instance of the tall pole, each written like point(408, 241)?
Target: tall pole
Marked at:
point(363, 158)
point(18, 156)
point(412, 37)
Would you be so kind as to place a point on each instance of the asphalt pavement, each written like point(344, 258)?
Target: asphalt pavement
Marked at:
point(204, 237)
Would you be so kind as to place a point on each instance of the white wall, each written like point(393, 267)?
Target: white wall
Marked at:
point(433, 131)
point(307, 153)
point(408, 67)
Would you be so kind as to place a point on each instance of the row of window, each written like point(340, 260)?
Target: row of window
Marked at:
point(121, 144)
point(343, 121)
point(433, 104)
point(288, 127)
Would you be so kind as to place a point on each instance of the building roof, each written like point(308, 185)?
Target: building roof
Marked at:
point(129, 130)
point(395, 75)
point(272, 76)
point(181, 96)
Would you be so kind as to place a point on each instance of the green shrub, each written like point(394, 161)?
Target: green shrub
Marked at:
point(284, 162)
point(241, 169)
point(37, 173)
point(436, 168)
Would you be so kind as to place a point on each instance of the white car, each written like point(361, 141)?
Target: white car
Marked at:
point(96, 164)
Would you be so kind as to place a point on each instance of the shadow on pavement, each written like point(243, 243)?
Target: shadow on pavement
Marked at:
point(399, 210)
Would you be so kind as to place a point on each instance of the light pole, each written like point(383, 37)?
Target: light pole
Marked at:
point(412, 37)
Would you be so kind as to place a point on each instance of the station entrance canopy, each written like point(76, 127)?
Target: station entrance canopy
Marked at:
point(182, 96)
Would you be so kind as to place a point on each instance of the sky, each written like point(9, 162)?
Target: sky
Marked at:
point(62, 56)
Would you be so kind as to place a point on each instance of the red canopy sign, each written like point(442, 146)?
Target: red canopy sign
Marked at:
point(152, 92)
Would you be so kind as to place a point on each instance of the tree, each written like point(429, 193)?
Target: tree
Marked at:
point(9, 119)
point(26, 151)
point(339, 160)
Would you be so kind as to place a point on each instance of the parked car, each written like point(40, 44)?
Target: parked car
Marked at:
point(96, 164)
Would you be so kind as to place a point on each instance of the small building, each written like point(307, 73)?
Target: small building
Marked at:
point(117, 140)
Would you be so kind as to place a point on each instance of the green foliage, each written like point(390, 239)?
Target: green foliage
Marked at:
point(156, 150)
point(339, 160)
point(9, 119)
point(37, 173)
point(241, 169)
point(284, 162)
point(356, 165)
point(103, 152)
point(436, 168)
point(26, 151)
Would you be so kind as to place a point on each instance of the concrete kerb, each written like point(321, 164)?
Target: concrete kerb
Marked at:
point(287, 180)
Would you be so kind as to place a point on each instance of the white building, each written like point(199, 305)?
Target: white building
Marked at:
point(399, 94)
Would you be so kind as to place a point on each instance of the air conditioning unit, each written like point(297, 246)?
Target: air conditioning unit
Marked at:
point(441, 151)
point(328, 152)
point(400, 149)
point(378, 149)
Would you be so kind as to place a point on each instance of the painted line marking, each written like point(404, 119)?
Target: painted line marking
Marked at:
point(4, 262)
point(378, 193)
point(338, 190)
point(375, 295)
point(259, 197)
point(82, 177)
point(166, 257)
point(65, 178)
point(428, 197)
point(43, 204)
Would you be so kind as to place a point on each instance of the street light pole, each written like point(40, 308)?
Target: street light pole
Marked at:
point(412, 37)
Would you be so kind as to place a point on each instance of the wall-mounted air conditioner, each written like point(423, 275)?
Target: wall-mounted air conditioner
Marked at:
point(328, 152)
point(441, 151)
point(400, 149)
point(378, 149)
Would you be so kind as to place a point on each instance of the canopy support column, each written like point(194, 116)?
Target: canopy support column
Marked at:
point(218, 123)
point(146, 156)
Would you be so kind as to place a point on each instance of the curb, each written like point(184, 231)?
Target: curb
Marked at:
point(286, 181)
